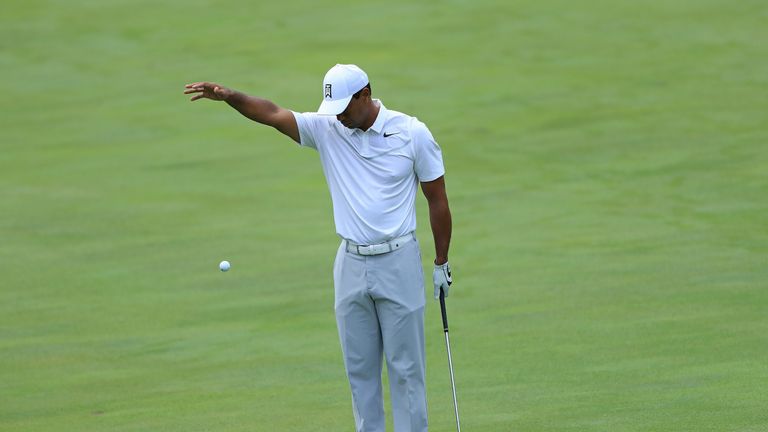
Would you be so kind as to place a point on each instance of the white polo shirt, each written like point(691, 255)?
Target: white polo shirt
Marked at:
point(373, 175)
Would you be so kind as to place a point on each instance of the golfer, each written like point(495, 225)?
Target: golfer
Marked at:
point(373, 159)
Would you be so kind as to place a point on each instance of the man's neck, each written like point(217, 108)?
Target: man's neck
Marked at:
point(374, 113)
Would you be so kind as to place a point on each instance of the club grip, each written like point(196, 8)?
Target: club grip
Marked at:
point(442, 310)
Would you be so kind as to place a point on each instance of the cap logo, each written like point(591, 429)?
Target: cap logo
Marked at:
point(328, 92)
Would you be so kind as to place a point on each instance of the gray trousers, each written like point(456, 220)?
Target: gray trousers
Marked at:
point(379, 303)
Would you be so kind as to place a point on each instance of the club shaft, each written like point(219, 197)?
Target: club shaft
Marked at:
point(450, 359)
point(453, 384)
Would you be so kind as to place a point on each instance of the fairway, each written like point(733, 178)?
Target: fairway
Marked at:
point(607, 166)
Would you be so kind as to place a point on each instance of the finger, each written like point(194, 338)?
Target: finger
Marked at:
point(192, 90)
point(196, 97)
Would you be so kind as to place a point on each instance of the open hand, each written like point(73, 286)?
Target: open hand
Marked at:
point(207, 90)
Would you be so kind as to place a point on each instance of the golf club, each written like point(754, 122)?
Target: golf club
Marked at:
point(450, 361)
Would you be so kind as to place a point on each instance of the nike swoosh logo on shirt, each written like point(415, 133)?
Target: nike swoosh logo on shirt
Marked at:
point(387, 135)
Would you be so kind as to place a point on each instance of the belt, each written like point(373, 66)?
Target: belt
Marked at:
point(381, 248)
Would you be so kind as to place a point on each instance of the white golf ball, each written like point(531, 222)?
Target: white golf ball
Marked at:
point(224, 266)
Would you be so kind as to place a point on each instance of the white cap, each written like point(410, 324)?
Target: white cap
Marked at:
point(339, 84)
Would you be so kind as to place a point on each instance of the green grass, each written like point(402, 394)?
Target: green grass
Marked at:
point(607, 173)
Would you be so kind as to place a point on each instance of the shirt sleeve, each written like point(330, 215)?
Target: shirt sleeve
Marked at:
point(307, 123)
point(428, 162)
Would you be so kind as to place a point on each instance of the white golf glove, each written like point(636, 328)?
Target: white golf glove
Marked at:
point(442, 279)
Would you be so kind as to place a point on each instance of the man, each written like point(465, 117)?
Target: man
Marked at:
point(373, 159)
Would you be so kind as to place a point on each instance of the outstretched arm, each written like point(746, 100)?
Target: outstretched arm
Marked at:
point(259, 110)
